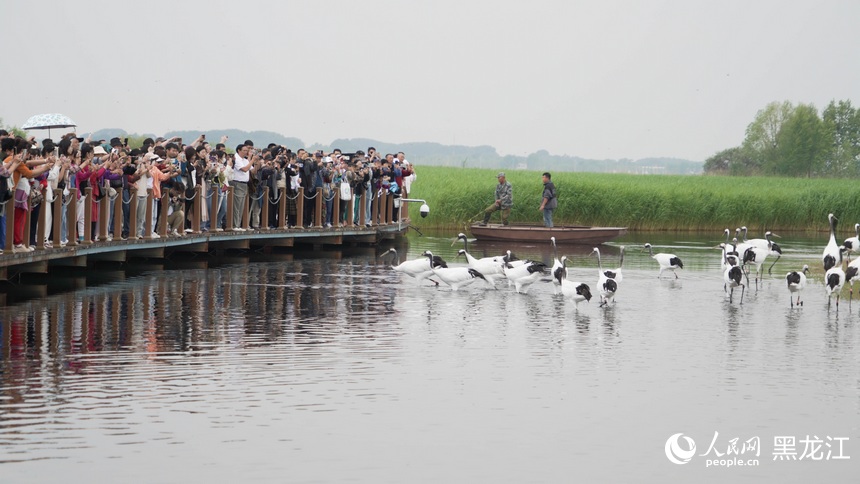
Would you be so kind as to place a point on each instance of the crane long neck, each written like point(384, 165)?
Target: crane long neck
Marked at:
point(650, 251)
point(621, 262)
point(465, 244)
point(599, 266)
point(554, 249)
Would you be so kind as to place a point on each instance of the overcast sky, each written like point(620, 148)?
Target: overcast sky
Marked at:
point(597, 79)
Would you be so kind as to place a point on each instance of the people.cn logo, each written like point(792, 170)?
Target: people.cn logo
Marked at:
point(675, 453)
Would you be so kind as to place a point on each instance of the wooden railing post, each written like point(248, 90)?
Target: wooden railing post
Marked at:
point(362, 210)
point(40, 225)
point(264, 209)
point(213, 206)
point(318, 208)
point(389, 207)
point(335, 219)
point(147, 227)
point(350, 212)
point(117, 213)
point(132, 213)
point(162, 219)
point(197, 209)
point(300, 208)
point(282, 210)
point(72, 217)
point(104, 212)
point(88, 215)
point(58, 217)
point(229, 208)
point(374, 210)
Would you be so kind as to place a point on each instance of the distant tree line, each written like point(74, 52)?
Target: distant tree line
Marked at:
point(789, 140)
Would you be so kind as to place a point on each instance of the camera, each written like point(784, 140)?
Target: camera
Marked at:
point(425, 210)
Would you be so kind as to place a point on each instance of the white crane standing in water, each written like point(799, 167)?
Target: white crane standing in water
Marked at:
point(417, 268)
point(732, 278)
point(834, 279)
point(831, 251)
point(574, 291)
point(456, 277)
point(606, 283)
point(852, 244)
point(668, 262)
point(796, 281)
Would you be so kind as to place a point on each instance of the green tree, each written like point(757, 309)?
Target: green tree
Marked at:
point(733, 161)
point(842, 122)
point(13, 130)
point(762, 136)
point(802, 144)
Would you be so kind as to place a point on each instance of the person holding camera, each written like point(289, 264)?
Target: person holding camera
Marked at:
point(176, 213)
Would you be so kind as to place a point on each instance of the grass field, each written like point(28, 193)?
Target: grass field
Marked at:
point(644, 202)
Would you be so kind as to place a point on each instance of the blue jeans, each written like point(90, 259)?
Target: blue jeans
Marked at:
point(547, 216)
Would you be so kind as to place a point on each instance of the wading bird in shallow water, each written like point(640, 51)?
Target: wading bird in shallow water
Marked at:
point(756, 252)
point(417, 268)
point(557, 266)
point(796, 281)
point(831, 252)
point(834, 279)
point(606, 283)
point(732, 278)
point(668, 262)
point(456, 277)
point(851, 273)
point(490, 267)
point(574, 291)
point(852, 244)
point(525, 274)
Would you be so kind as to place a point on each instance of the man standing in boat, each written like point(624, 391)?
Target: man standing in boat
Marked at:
point(549, 202)
point(504, 200)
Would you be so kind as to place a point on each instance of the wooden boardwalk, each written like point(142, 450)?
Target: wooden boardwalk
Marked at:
point(81, 254)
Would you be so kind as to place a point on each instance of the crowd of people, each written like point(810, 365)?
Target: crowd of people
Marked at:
point(167, 166)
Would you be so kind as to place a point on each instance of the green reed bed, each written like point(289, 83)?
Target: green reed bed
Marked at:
point(644, 202)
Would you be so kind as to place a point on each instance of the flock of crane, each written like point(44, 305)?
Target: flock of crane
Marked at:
point(736, 261)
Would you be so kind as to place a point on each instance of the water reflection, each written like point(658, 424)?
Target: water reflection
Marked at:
point(337, 361)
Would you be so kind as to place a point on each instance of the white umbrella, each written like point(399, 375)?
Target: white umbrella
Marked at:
point(48, 121)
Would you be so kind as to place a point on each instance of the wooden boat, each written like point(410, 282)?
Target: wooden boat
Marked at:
point(567, 234)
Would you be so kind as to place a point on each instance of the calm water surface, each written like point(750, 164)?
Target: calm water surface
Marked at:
point(334, 369)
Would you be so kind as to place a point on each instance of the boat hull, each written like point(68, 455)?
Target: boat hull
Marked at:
point(570, 234)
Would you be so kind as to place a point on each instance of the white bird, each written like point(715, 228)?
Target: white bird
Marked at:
point(490, 267)
point(668, 262)
point(731, 257)
point(417, 268)
point(456, 277)
point(834, 279)
point(524, 275)
point(765, 244)
point(575, 291)
point(733, 277)
point(831, 252)
point(557, 267)
point(796, 281)
point(851, 272)
point(852, 244)
point(606, 283)
point(611, 274)
point(757, 251)
point(482, 261)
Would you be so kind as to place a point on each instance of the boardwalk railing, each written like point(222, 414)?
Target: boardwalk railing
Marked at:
point(112, 223)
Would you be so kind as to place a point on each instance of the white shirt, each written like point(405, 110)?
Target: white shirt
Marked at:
point(238, 164)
